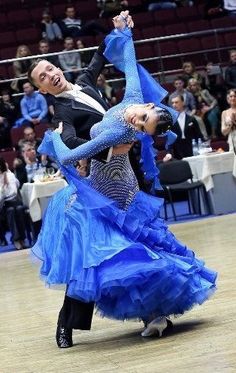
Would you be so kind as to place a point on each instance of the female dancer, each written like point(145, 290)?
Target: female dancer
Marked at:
point(125, 259)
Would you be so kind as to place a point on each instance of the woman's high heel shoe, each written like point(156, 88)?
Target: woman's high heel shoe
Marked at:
point(156, 326)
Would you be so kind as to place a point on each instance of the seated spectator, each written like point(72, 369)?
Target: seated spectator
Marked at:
point(29, 137)
point(11, 206)
point(85, 56)
point(189, 103)
point(50, 29)
point(105, 90)
point(167, 4)
point(74, 27)
point(8, 114)
point(228, 120)
point(215, 84)
point(207, 106)
point(189, 72)
point(70, 62)
point(21, 67)
point(44, 48)
point(230, 72)
point(29, 163)
point(110, 8)
point(213, 9)
point(186, 129)
point(180, 90)
point(34, 107)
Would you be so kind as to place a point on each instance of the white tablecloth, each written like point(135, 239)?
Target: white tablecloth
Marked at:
point(204, 166)
point(32, 192)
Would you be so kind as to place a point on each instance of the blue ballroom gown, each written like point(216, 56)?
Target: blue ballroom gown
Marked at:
point(116, 251)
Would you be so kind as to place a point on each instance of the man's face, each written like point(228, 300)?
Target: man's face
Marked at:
point(69, 44)
point(29, 134)
point(29, 152)
point(43, 48)
point(177, 104)
point(28, 89)
point(70, 12)
point(49, 78)
point(233, 57)
point(179, 85)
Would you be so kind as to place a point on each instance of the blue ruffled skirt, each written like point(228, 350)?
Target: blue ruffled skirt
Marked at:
point(128, 263)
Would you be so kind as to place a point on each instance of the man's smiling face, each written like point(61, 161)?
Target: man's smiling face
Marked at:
point(49, 78)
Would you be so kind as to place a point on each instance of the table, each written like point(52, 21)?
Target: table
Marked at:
point(218, 173)
point(36, 195)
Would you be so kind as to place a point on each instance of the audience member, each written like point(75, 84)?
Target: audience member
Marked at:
point(230, 72)
point(228, 120)
point(50, 29)
point(9, 108)
point(44, 48)
point(11, 206)
point(189, 101)
point(8, 114)
point(218, 8)
point(74, 27)
point(186, 129)
point(29, 137)
point(85, 56)
point(34, 107)
point(109, 8)
point(21, 67)
point(70, 62)
point(207, 106)
point(189, 72)
point(215, 84)
point(105, 90)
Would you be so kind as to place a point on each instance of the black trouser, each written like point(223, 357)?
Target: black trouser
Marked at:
point(75, 314)
point(15, 215)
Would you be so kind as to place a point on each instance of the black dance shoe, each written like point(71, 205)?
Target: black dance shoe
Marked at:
point(64, 337)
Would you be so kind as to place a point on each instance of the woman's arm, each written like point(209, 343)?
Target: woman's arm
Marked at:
point(105, 140)
point(120, 51)
point(226, 123)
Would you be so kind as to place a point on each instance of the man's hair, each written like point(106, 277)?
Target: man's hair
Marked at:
point(232, 51)
point(180, 78)
point(43, 41)
point(178, 96)
point(31, 68)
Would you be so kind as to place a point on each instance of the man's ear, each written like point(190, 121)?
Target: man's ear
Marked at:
point(42, 91)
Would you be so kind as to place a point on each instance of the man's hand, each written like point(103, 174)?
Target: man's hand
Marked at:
point(59, 129)
point(123, 20)
point(167, 157)
point(82, 167)
point(121, 149)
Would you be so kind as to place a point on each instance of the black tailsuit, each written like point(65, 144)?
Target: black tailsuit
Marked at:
point(183, 147)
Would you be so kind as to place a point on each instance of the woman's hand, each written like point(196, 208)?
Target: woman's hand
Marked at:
point(59, 129)
point(123, 20)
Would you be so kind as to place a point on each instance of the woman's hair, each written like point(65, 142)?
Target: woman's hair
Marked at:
point(3, 165)
point(231, 90)
point(189, 63)
point(164, 122)
point(20, 47)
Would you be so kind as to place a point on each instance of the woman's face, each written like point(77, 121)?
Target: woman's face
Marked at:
point(231, 98)
point(188, 69)
point(23, 51)
point(142, 117)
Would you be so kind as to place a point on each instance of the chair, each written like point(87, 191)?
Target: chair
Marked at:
point(40, 129)
point(174, 176)
point(177, 28)
point(9, 157)
point(16, 135)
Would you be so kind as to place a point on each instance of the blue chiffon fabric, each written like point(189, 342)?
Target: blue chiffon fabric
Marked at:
point(127, 262)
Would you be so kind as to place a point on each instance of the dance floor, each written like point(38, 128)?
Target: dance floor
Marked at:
point(203, 340)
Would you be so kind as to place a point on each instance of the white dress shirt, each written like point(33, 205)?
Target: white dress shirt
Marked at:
point(181, 121)
point(79, 96)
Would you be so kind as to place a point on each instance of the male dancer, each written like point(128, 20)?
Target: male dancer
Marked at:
point(79, 107)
